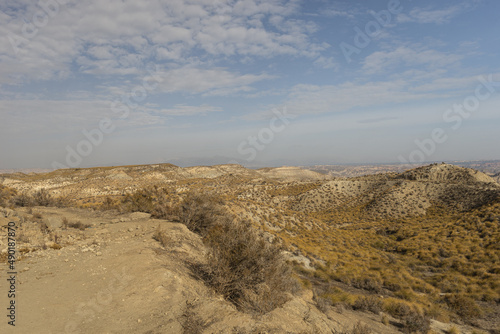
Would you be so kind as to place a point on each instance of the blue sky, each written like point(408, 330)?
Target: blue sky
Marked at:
point(260, 83)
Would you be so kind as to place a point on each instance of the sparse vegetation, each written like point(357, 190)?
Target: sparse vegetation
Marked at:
point(241, 264)
point(409, 246)
point(5, 195)
point(162, 237)
point(245, 268)
point(464, 306)
point(153, 200)
point(191, 322)
point(41, 197)
point(76, 225)
point(368, 303)
point(199, 212)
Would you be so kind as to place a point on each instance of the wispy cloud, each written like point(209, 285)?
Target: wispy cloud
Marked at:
point(436, 16)
point(184, 110)
point(409, 56)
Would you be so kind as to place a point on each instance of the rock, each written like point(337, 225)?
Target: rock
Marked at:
point(139, 215)
point(7, 212)
point(53, 222)
point(301, 259)
point(50, 244)
point(4, 221)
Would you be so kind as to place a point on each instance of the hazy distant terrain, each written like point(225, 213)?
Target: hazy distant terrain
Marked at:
point(491, 168)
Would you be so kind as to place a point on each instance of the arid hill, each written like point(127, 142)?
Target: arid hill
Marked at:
point(407, 194)
point(396, 251)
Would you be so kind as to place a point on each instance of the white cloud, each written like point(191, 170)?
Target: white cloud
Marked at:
point(381, 61)
point(436, 16)
point(115, 37)
point(327, 63)
point(305, 99)
point(195, 80)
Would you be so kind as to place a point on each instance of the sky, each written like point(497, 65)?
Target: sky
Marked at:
point(260, 83)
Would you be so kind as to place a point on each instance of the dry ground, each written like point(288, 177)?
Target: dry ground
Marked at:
point(113, 277)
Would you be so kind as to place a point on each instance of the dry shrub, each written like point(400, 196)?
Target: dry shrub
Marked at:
point(5, 195)
point(154, 200)
point(78, 225)
point(199, 212)
point(109, 204)
point(191, 322)
point(368, 283)
point(44, 228)
point(245, 268)
point(414, 322)
point(323, 304)
point(23, 200)
point(55, 246)
point(464, 306)
point(39, 198)
point(361, 328)
point(370, 303)
point(162, 237)
point(396, 308)
point(328, 296)
point(141, 200)
point(42, 198)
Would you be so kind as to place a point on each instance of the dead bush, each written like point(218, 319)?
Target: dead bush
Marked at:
point(361, 328)
point(191, 322)
point(162, 237)
point(5, 196)
point(463, 306)
point(397, 309)
point(245, 268)
point(42, 198)
point(371, 303)
point(23, 200)
point(141, 200)
point(109, 204)
point(199, 212)
point(153, 200)
point(76, 225)
point(39, 198)
point(414, 322)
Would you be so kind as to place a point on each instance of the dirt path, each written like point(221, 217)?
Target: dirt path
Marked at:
point(111, 281)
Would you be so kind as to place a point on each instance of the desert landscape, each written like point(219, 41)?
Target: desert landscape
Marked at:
point(249, 167)
point(226, 249)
